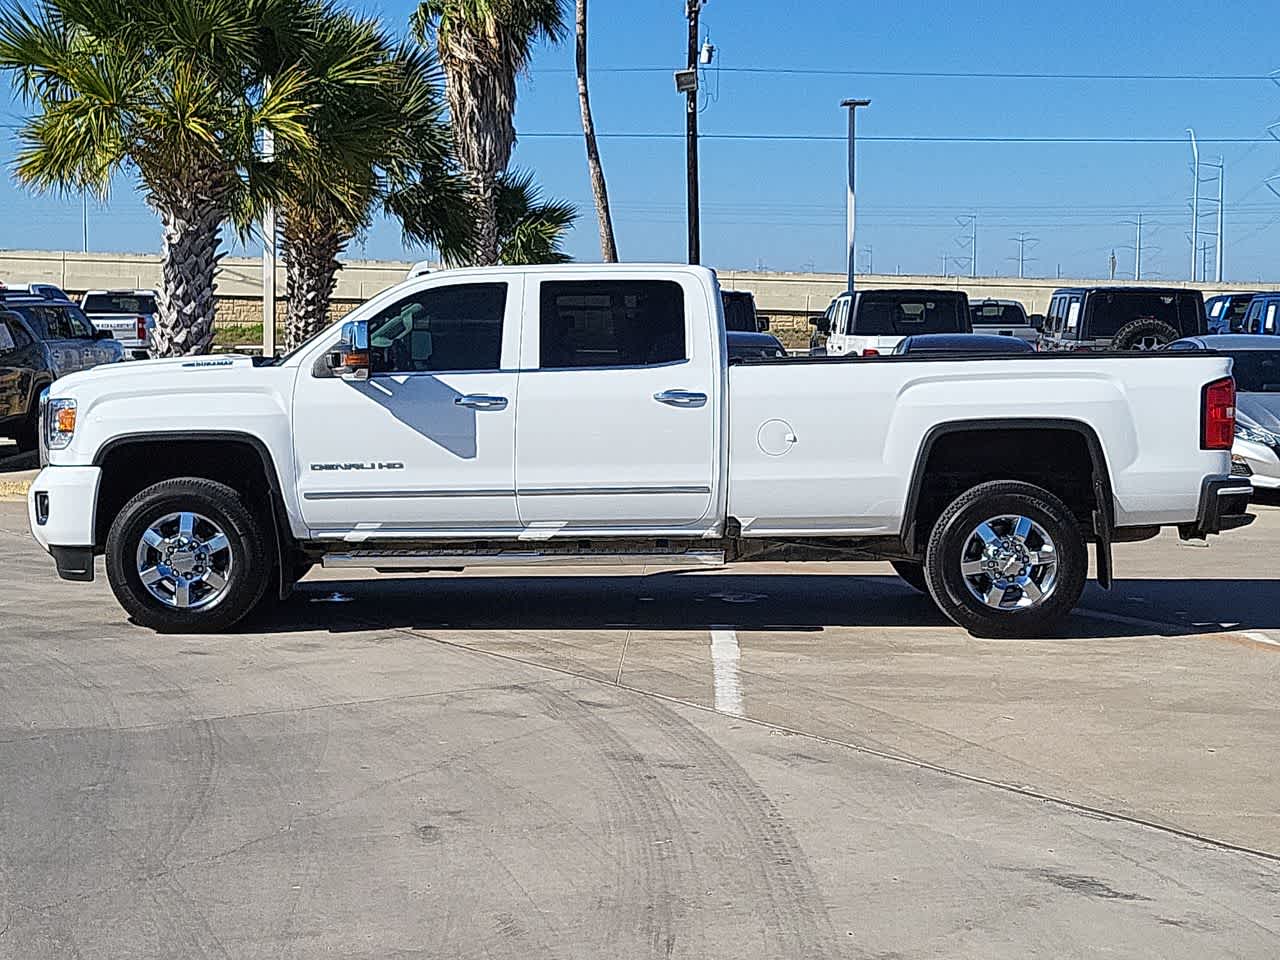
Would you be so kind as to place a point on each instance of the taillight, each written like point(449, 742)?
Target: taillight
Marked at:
point(142, 328)
point(870, 352)
point(1218, 414)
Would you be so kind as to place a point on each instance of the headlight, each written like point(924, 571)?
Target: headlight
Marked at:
point(1257, 435)
point(60, 423)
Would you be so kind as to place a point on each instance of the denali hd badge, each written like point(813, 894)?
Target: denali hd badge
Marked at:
point(366, 465)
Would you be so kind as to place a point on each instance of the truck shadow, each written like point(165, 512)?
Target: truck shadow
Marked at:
point(764, 602)
point(427, 406)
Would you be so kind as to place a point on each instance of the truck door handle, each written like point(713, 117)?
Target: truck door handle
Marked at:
point(481, 401)
point(681, 398)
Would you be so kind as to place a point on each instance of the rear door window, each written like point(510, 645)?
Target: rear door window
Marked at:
point(610, 323)
point(12, 336)
point(1073, 317)
point(1269, 319)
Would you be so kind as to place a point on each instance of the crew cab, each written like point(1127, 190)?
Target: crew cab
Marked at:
point(870, 323)
point(513, 416)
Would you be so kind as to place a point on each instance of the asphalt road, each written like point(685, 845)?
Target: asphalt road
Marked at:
point(783, 762)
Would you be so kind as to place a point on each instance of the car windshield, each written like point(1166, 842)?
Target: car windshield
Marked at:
point(998, 314)
point(1111, 311)
point(1256, 371)
point(895, 315)
point(119, 303)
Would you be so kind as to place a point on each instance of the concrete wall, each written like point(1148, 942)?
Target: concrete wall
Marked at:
point(788, 299)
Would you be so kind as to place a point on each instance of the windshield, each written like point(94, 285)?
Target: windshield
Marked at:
point(904, 316)
point(998, 314)
point(1112, 310)
point(1256, 371)
point(119, 303)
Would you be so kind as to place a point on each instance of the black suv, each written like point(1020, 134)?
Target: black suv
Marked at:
point(40, 340)
point(1121, 318)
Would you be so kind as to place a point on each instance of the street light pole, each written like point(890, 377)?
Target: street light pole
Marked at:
point(851, 207)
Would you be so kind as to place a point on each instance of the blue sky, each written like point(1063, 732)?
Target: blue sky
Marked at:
point(780, 204)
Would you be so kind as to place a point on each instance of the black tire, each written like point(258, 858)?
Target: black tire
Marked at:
point(953, 535)
point(912, 572)
point(248, 545)
point(1145, 333)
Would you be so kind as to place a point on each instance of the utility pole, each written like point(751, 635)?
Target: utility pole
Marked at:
point(1217, 271)
point(944, 266)
point(1195, 201)
point(869, 250)
point(1111, 263)
point(84, 219)
point(691, 135)
point(851, 205)
point(970, 221)
point(268, 259)
point(1137, 251)
point(1022, 240)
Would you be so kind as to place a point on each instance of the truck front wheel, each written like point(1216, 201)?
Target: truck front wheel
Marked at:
point(1006, 559)
point(187, 556)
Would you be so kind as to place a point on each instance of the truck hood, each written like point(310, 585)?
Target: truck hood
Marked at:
point(169, 367)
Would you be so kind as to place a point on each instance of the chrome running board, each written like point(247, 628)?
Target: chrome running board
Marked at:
point(429, 560)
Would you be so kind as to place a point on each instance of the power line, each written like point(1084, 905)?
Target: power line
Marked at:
point(942, 74)
point(832, 138)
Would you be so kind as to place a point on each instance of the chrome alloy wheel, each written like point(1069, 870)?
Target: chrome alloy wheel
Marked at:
point(1009, 563)
point(184, 561)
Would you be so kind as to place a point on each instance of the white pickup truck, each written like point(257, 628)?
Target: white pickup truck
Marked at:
point(588, 414)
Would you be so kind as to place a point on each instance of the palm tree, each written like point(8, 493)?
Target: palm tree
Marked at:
point(530, 229)
point(175, 92)
point(482, 46)
point(608, 245)
point(374, 141)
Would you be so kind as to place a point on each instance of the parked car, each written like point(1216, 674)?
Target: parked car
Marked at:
point(1262, 315)
point(740, 312)
point(129, 315)
point(869, 323)
point(46, 291)
point(962, 344)
point(1121, 318)
point(754, 346)
point(41, 340)
point(1225, 313)
point(509, 416)
point(1256, 368)
point(1005, 318)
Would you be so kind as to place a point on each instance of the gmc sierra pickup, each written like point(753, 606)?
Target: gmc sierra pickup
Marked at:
point(588, 414)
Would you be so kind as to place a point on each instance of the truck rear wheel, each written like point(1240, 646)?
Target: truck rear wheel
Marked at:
point(187, 556)
point(1006, 559)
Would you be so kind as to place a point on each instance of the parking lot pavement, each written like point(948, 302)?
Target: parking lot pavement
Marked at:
point(797, 761)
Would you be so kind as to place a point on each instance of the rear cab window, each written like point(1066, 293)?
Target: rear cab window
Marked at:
point(610, 323)
point(1111, 310)
point(997, 315)
point(119, 303)
point(896, 315)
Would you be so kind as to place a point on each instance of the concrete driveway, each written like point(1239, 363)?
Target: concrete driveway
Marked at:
point(777, 762)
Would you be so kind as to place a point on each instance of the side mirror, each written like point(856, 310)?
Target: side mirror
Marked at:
point(351, 360)
point(823, 324)
point(1037, 321)
point(763, 324)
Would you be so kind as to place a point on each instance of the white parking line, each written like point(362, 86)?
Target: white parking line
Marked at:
point(725, 657)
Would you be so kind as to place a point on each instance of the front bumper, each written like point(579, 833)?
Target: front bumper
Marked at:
point(1223, 502)
point(1256, 461)
point(62, 511)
